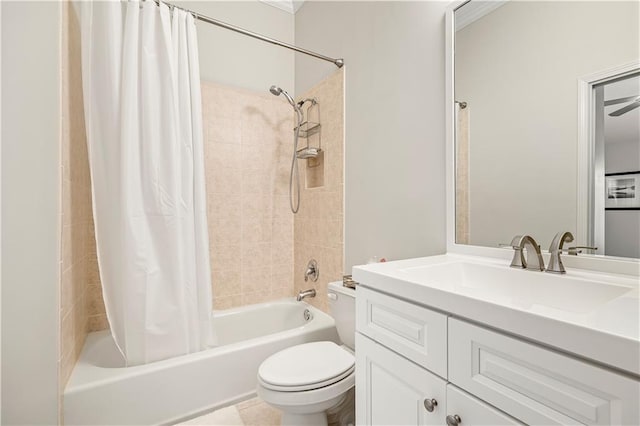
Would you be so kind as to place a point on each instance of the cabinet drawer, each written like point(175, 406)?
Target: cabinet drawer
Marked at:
point(472, 411)
point(535, 384)
point(418, 333)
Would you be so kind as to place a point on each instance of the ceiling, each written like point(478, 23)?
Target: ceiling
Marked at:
point(626, 127)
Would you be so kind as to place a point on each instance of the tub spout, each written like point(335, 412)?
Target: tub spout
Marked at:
point(306, 293)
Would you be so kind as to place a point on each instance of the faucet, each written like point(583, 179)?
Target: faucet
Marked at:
point(306, 293)
point(555, 250)
point(534, 258)
point(312, 271)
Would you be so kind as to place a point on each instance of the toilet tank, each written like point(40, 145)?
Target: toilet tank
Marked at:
point(342, 307)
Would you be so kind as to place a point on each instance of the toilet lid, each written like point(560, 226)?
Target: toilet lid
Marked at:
point(307, 366)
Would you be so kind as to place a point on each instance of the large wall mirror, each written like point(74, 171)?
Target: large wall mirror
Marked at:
point(535, 155)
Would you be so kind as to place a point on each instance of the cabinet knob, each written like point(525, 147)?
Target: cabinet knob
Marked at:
point(454, 420)
point(430, 404)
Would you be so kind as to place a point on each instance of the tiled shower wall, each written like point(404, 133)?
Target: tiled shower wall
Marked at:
point(78, 266)
point(319, 224)
point(248, 147)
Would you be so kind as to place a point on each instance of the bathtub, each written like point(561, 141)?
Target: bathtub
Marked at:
point(102, 391)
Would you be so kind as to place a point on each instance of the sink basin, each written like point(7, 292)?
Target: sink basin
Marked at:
point(519, 288)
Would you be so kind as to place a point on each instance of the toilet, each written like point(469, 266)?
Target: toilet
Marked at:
point(305, 381)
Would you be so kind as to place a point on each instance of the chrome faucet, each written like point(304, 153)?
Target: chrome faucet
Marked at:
point(306, 293)
point(534, 258)
point(555, 250)
point(312, 271)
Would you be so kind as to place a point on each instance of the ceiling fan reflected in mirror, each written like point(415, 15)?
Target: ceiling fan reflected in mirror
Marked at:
point(635, 103)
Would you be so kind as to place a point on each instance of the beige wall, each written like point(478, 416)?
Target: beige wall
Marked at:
point(318, 226)
point(30, 211)
point(247, 157)
point(394, 119)
point(240, 61)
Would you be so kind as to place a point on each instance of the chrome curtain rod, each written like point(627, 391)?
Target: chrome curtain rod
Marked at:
point(337, 62)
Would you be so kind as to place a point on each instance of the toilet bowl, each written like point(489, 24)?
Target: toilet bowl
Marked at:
point(304, 381)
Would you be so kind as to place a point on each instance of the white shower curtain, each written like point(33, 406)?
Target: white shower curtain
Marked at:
point(143, 117)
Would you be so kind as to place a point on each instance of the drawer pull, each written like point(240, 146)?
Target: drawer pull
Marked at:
point(430, 404)
point(454, 420)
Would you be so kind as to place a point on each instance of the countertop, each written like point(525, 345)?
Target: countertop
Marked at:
point(606, 332)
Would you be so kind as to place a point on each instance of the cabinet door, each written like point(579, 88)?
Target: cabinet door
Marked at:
point(472, 411)
point(391, 390)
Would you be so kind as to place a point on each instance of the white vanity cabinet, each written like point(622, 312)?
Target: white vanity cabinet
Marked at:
point(418, 366)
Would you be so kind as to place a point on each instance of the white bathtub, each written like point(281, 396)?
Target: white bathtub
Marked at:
point(102, 391)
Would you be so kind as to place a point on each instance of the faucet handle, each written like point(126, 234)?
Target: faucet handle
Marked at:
point(574, 251)
point(312, 271)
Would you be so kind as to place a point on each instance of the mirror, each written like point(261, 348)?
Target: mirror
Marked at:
point(529, 160)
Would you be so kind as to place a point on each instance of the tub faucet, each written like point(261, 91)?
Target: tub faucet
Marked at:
point(306, 293)
point(534, 258)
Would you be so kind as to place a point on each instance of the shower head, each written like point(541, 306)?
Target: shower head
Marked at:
point(277, 91)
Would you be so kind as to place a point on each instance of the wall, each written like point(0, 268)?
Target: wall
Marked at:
point(247, 159)
point(523, 99)
point(394, 120)
point(240, 61)
point(30, 211)
point(318, 225)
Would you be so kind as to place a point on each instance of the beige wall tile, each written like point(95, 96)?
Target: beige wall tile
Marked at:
point(318, 227)
point(227, 282)
point(247, 192)
point(227, 302)
point(227, 256)
point(75, 216)
point(97, 323)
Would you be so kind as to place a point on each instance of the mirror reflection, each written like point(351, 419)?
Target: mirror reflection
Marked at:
point(517, 68)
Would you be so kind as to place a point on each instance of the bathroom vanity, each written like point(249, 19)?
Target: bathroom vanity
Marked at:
point(456, 339)
point(463, 338)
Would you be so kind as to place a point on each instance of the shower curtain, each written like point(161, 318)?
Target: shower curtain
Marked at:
point(143, 117)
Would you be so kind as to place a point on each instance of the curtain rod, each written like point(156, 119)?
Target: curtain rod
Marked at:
point(337, 62)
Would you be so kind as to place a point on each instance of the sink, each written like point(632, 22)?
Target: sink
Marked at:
point(519, 288)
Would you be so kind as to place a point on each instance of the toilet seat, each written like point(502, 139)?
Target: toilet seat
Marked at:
point(306, 367)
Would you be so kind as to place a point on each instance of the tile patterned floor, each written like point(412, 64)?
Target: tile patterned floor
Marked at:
point(253, 412)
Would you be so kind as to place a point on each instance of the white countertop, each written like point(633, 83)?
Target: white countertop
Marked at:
point(607, 331)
